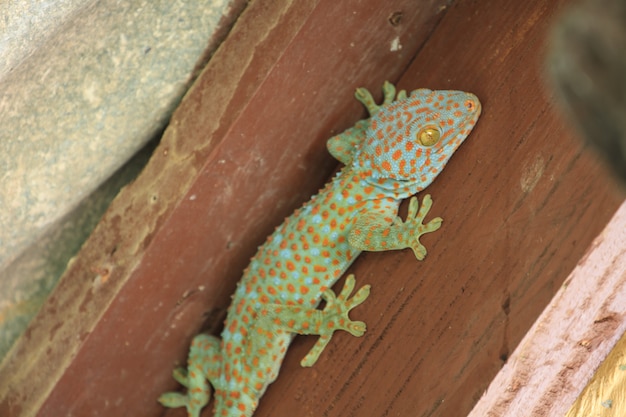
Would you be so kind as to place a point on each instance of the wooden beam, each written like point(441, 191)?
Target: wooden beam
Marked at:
point(564, 347)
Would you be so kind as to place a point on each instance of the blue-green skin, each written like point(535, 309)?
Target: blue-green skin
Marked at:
point(295, 268)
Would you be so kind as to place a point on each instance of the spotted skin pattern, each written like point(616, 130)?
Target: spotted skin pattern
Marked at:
point(390, 156)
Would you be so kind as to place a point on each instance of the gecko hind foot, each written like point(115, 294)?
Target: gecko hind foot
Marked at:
point(193, 401)
point(336, 317)
point(194, 378)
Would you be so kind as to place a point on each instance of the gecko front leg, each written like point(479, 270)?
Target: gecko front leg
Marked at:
point(374, 231)
point(389, 96)
point(343, 146)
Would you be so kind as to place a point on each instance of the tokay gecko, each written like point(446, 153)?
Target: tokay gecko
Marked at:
point(395, 153)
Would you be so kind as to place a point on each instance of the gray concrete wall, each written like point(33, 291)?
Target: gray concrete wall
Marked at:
point(83, 86)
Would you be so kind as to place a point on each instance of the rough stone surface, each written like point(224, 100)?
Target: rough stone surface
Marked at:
point(28, 280)
point(26, 24)
point(83, 86)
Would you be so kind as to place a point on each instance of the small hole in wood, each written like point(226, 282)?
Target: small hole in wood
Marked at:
point(395, 18)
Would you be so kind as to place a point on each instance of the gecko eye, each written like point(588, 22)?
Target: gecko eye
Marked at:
point(428, 136)
point(470, 105)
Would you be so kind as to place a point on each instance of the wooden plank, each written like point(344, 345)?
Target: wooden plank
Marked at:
point(559, 354)
point(244, 149)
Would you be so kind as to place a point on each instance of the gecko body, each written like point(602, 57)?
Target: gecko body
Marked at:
point(393, 154)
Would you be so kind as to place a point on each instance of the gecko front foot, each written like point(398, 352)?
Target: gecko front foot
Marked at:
point(414, 224)
point(389, 95)
point(373, 232)
point(335, 317)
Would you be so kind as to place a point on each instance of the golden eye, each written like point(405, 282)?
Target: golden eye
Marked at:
point(428, 136)
point(470, 105)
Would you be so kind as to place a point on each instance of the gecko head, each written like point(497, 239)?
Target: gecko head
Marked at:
point(410, 141)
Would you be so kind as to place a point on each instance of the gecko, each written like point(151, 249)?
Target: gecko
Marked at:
point(390, 156)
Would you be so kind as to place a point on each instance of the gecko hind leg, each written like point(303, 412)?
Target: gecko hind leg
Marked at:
point(312, 321)
point(336, 317)
point(203, 363)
